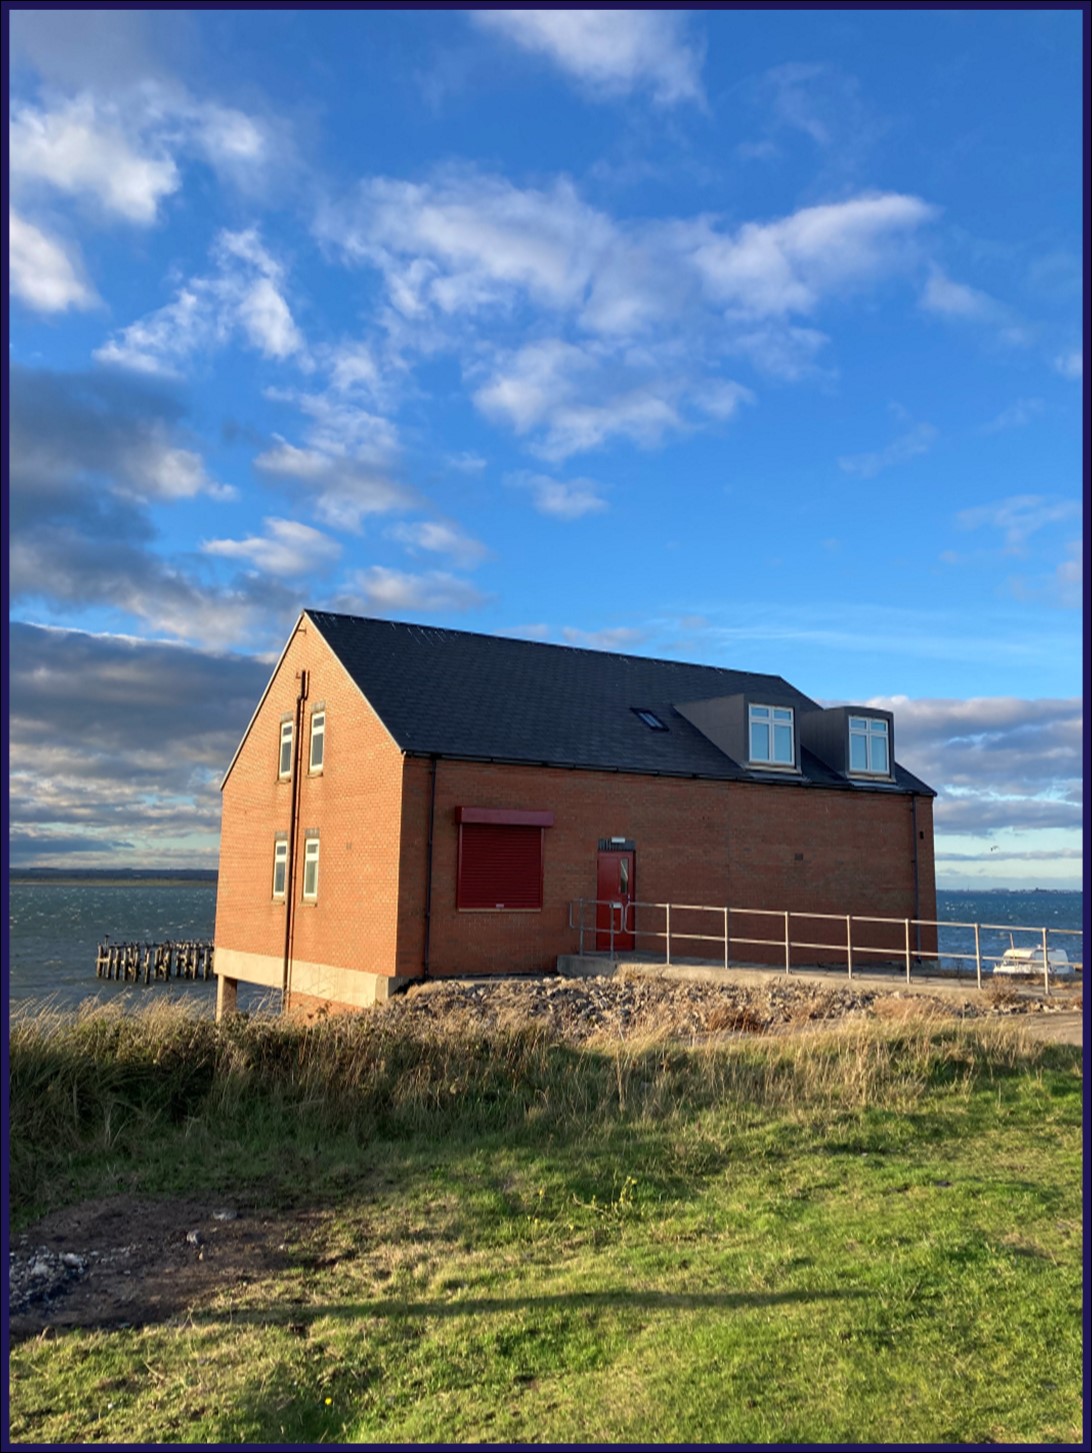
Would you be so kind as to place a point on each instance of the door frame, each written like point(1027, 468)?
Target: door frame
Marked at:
point(621, 848)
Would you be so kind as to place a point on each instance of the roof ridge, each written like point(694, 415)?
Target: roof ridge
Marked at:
point(551, 645)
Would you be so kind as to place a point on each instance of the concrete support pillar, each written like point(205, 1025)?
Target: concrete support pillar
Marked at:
point(227, 993)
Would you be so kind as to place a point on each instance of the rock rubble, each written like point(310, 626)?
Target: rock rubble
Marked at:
point(641, 1006)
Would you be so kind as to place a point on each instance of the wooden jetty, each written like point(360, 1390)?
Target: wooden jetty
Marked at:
point(151, 963)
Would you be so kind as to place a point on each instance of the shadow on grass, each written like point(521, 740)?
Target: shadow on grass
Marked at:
point(399, 1308)
point(309, 1409)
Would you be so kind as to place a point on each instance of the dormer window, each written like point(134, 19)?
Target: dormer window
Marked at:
point(771, 735)
point(869, 746)
point(650, 719)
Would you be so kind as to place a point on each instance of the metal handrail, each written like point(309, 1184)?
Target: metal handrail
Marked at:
point(851, 947)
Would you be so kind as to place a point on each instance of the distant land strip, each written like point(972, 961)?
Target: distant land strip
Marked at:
point(106, 877)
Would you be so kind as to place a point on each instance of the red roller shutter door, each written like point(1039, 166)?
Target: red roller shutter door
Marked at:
point(500, 866)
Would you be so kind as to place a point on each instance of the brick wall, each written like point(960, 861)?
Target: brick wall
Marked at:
point(763, 846)
point(355, 803)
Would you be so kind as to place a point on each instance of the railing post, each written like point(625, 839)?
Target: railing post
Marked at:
point(849, 944)
point(907, 922)
point(978, 955)
point(726, 938)
point(668, 932)
point(787, 945)
point(1046, 964)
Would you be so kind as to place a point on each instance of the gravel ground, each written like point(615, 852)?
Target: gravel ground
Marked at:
point(638, 1006)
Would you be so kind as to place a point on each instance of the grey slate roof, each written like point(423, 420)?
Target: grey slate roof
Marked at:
point(460, 694)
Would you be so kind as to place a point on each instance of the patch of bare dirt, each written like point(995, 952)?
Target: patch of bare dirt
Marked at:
point(124, 1261)
point(129, 1261)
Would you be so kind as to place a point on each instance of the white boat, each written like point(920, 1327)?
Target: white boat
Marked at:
point(1029, 961)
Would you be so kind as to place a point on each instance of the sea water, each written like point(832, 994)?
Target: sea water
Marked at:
point(55, 930)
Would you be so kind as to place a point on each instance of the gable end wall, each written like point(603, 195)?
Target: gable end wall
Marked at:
point(355, 803)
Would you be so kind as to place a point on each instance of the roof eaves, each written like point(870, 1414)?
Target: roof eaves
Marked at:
point(363, 696)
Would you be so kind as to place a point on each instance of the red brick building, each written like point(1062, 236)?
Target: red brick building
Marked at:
point(411, 802)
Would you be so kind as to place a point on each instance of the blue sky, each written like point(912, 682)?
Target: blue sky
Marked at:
point(748, 337)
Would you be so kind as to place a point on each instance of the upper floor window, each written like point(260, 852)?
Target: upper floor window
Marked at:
point(284, 768)
point(280, 867)
point(310, 868)
point(869, 745)
point(318, 739)
point(771, 735)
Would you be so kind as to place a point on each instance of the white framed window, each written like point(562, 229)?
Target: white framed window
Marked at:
point(280, 867)
point(318, 740)
point(771, 735)
point(869, 746)
point(284, 762)
point(310, 869)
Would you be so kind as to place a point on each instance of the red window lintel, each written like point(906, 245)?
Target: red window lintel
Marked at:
point(504, 817)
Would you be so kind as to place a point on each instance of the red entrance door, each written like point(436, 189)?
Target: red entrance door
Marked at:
point(615, 892)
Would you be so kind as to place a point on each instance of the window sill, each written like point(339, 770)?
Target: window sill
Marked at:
point(498, 909)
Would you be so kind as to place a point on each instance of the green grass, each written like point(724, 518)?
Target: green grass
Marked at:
point(869, 1235)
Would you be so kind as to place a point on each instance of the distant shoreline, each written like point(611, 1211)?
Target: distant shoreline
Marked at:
point(114, 878)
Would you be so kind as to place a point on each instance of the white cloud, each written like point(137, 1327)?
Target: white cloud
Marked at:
point(227, 137)
point(466, 242)
point(581, 397)
point(639, 316)
point(996, 761)
point(467, 462)
point(782, 350)
point(157, 469)
point(918, 440)
point(1070, 364)
point(442, 538)
point(1016, 416)
point(946, 298)
point(537, 631)
point(345, 490)
point(286, 548)
point(614, 638)
point(243, 295)
point(956, 300)
point(82, 149)
point(772, 269)
point(341, 427)
point(610, 52)
point(394, 592)
point(562, 499)
point(267, 321)
point(1069, 576)
point(354, 366)
point(531, 384)
point(1018, 517)
point(45, 275)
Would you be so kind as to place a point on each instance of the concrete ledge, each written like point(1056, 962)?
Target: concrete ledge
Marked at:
point(583, 966)
point(352, 988)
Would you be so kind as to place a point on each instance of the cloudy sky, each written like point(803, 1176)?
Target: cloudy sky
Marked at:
point(746, 337)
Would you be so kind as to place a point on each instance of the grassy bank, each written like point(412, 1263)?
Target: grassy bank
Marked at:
point(870, 1234)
